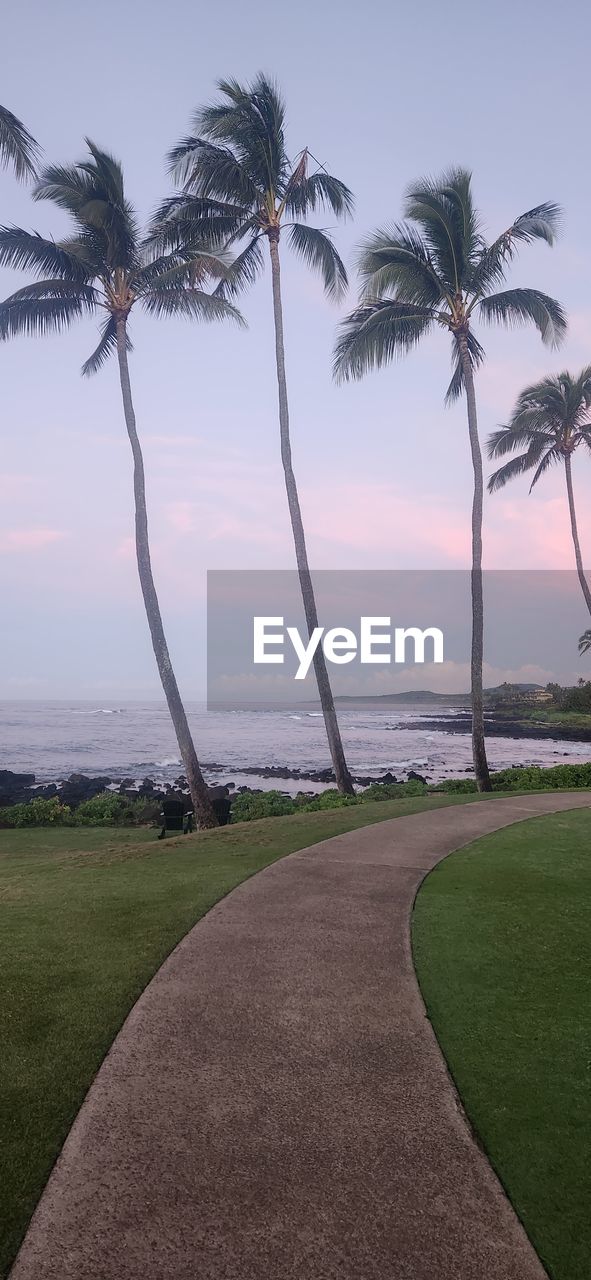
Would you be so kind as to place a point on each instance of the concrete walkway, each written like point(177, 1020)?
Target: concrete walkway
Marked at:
point(276, 1106)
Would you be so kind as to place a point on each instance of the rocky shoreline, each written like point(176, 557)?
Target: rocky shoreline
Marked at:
point(503, 728)
point(19, 788)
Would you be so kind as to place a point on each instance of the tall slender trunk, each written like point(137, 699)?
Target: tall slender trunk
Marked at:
point(476, 658)
point(341, 771)
point(575, 532)
point(202, 806)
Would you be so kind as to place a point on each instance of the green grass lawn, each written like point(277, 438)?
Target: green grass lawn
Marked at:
point(502, 945)
point(86, 917)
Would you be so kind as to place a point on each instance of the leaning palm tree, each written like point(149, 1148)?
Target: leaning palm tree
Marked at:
point(103, 269)
point(17, 146)
point(550, 421)
point(436, 270)
point(239, 184)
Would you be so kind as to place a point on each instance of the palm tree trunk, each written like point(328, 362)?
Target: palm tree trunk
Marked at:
point(341, 771)
point(575, 532)
point(476, 659)
point(202, 805)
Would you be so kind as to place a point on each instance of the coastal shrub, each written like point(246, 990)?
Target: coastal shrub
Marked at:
point(35, 813)
point(264, 804)
point(534, 778)
point(456, 786)
point(560, 777)
point(330, 799)
point(393, 790)
point(109, 809)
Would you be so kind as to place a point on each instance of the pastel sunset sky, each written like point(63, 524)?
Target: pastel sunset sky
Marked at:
point(381, 93)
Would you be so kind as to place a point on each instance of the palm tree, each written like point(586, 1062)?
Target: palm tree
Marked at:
point(103, 269)
point(17, 147)
point(239, 184)
point(550, 421)
point(436, 270)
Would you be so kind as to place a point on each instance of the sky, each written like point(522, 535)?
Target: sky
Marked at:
point(381, 94)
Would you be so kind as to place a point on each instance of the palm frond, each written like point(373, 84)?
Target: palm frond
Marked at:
point(250, 120)
point(39, 316)
point(17, 146)
point(395, 262)
point(376, 333)
point(65, 185)
point(548, 460)
point(92, 192)
point(194, 304)
point(318, 252)
point(43, 289)
point(517, 466)
point(212, 172)
point(476, 353)
point(540, 223)
point(242, 271)
point(319, 191)
point(106, 347)
point(522, 306)
point(173, 270)
point(585, 642)
point(105, 173)
point(439, 210)
point(27, 250)
point(186, 216)
point(508, 439)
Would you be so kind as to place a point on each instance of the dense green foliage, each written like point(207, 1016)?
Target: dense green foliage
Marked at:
point(560, 777)
point(108, 809)
point(572, 697)
point(501, 939)
point(35, 813)
point(263, 804)
point(267, 804)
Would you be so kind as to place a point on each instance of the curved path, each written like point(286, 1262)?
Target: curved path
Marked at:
point(276, 1106)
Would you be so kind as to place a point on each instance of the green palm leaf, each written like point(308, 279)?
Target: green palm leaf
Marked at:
point(396, 263)
point(27, 250)
point(374, 334)
point(318, 252)
point(212, 172)
point(194, 304)
point(441, 219)
point(517, 466)
point(39, 316)
point(319, 191)
point(541, 223)
point(17, 146)
point(519, 306)
point(476, 352)
point(242, 271)
point(106, 347)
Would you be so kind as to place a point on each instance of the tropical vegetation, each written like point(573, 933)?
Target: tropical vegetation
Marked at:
point(549, 422)
point(436, 270)
point(240, 185)
point(103, 269)
point(237, 187)
point(18, 148)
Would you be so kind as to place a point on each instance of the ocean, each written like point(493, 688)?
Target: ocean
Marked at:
point(136, 740)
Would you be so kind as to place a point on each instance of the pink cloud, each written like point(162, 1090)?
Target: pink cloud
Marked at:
point(28, 539)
